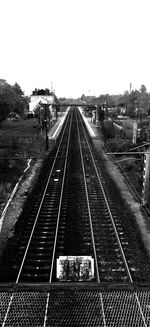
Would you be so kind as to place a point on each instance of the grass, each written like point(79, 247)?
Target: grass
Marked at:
point(5, 189)
point(23, 127)
point(22, 137)
point(119, 145)
point(131, 164)
point(18, 142)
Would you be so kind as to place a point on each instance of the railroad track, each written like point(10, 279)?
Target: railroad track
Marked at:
point(120, 252)
point(39, 239)
point(76, 213)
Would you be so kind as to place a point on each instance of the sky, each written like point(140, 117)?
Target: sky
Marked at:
point(75, 47)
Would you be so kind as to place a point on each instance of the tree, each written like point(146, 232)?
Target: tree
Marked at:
point(143, 89)
point(143, 100)
point(17, 89)
point(4, 110)
point(83, 97)
point(62, 99)
point(12, 98)
point(132, 103)
point(6, 99)
point(41, 92)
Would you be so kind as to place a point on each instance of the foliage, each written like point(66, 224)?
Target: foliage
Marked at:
point(4, 190)
point(17, 90)
point(12, 99)
point(108, 129)
point(62, 99)
point(42, 113)
point(88, 99)
point(4, 110)
point(41, 92)
point(137, 99)
point(119, 145)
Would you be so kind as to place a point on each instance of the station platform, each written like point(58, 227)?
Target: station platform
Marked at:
point(56, 128)
point(93, 128)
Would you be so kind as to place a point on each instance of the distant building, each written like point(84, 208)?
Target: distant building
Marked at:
point(36, 99)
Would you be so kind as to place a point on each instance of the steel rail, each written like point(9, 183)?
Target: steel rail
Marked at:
point(90, 218)
point(49, 177)
point(48, 180)
point(118, 239)
point(60, 202)
point(87, 198)
point(107, 204)
point(57, 226)
point(138, 198)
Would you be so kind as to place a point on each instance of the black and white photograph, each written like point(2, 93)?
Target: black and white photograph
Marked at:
point(74, 163)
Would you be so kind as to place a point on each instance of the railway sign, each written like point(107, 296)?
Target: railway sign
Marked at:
point(75, 268)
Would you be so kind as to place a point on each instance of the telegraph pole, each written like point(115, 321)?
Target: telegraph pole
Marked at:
point(130, 88)
point(51, 87)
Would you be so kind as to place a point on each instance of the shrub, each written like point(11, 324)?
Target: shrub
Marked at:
point(119, 145)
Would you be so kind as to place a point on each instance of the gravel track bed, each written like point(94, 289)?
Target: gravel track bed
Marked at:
point(74, 235)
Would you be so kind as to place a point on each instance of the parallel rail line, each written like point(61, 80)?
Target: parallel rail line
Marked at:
point(76, 216)
point(93, 227)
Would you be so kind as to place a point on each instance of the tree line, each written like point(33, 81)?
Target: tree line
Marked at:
point(12, 99)
point(136, 100)
point(41, 92)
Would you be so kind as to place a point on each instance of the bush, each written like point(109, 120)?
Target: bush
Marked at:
point(108, 129)
point(119, 145)
point(4, 190)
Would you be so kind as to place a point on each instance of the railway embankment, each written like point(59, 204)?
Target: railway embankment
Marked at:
point(142, 219)
point(22, 154)
point(30, 177)
point(119, 173)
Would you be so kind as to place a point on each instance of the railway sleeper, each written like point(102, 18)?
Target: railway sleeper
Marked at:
point(40, 250)
point(39, 256)
point(36, 268)
point(43, 238)
point(34, 277)
point(41, 244)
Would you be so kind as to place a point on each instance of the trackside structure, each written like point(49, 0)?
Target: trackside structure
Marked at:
point(36, 99)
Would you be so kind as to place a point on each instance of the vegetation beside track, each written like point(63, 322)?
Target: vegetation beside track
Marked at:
point(132, 165)
point(19, 141)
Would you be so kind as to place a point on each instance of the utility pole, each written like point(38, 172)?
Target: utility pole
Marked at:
point(130, 88)
point(51, 87)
